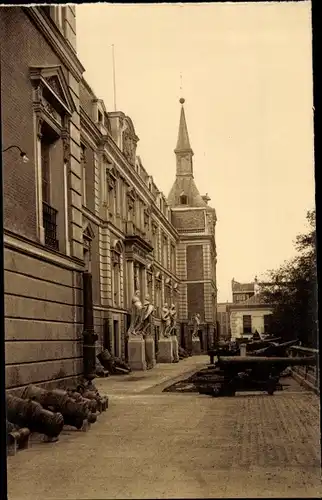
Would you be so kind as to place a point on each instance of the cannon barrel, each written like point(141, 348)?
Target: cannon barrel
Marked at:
point(17, 435)
point(260, 344)
point(89, 391)
point(30, 414)
point(251, 361)
point(74, 413)
point(111, 363)
point(91, 403)
point(274, 349)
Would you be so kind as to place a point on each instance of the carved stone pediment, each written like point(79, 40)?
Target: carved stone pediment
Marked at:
point(129, 141)
point(88, 233)
point(51, 90)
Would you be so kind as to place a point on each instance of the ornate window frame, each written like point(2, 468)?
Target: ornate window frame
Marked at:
point(53, 104)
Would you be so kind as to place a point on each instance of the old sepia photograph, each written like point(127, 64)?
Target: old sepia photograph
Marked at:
point(159, 267)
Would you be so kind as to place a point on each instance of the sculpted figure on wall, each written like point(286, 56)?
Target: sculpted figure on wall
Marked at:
point(128, 147)
point(166, 320)
point(196, 324)
point(173, 319)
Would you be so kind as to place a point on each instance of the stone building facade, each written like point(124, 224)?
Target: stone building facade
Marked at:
point(248, 313)
point(40, 76)
point(83, 202)
point(133, 243)
point(223, 320)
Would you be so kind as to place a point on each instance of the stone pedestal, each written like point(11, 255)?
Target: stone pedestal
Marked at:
point(136, 353)
point(150, 352)
point(196, 349)
point(165, 353)
point(242, 348)
point(175, 348)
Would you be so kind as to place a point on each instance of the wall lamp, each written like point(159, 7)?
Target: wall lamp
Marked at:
point(23, 155)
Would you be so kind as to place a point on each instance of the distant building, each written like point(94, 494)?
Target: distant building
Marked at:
point(249, 312)
point(223, 320)
point(242, 291)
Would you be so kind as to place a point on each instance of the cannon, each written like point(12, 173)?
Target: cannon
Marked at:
point(233, 373)
point(58, 400)
point(275, 349)
point(182, 353)
point(260, 344)
point(30, 414)
point(17, 438)
point(89, 391)
point(227, 350)
point(113, 364)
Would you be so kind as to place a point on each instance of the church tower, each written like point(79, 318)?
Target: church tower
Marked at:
point(195, 222)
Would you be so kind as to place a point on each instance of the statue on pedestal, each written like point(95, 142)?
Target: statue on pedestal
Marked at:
point(144, 327)
point(196, 323)
point(136, 314)
point(166, 321)
point(173, 319)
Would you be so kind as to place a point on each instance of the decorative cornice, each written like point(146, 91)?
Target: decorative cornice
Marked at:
point(42, 75)
point(90, 127)
point(36, 250)
point(56, 40)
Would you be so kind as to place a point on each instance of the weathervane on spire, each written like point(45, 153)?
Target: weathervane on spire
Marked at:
point(181, 100)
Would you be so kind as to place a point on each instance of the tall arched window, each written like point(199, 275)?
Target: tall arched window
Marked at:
point(183, 199)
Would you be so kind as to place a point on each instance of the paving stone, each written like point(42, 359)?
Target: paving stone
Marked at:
point(152, 444)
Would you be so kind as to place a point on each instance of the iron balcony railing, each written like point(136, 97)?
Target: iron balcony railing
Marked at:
point(50, 226)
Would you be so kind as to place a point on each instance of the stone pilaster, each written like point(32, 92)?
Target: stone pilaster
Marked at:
point(97, 185)
point(75, 175)
point(105, 266)
point(70, 25)
point(130, 281)
point(122, 287)
point(208, 303)
point(181, 261)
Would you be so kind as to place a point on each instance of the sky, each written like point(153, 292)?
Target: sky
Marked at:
point(247, 81)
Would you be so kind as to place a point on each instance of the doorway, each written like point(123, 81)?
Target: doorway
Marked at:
point(106, 335)
point(200, 335)
point(116, 338)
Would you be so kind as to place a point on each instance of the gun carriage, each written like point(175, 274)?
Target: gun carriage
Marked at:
point(236, 373)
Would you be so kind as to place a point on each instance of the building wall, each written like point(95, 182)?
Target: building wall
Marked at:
point(43, 323)
point(223, 318)
point(257, 315)
point(43, 286)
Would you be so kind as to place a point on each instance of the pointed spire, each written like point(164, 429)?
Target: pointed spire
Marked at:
point(183, 143)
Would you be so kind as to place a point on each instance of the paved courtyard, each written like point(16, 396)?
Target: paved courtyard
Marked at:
point(151, 444)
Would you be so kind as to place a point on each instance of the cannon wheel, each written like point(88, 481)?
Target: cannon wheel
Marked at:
point(229, 388)
point(217, 389)
point(271, 386)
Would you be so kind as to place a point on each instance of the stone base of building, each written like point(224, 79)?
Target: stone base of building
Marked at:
point(175, 348)
point(165, 353)
point(150, 353)
point(196, 348)
point(136, 353)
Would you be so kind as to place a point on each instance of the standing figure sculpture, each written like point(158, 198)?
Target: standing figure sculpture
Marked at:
point(136, 314)
point(173, 319)
point(144, 327)
point(196, 323)
point(166, 320)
